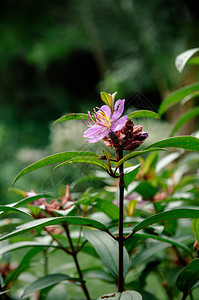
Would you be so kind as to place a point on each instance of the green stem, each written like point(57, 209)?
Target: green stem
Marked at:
point(119, 155)
point(74, 254)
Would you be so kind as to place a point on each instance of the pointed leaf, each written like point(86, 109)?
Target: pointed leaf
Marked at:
point(184, 142)
point(107, 249)
point(8, 209)
point(144, 114)
point(46, 281)
point(134, 154)
point(30, 199)
point(53, 159)
point(40, 223)
point(182, 58)
point(189, 276)
point(85, 160)
point(167, 215)
point(126, 295)
point(192, 113)
point(73, 116)
point(106, 98)
point(189, 91)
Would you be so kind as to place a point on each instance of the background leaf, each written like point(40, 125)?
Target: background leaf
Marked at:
point(177, 96)
point(126, 295)
point(107, 249)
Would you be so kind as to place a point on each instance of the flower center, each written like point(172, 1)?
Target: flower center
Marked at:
point(103, 119)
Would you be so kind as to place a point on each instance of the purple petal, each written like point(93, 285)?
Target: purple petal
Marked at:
point(106, 109)
point(98, 137)
point(118, 109)
point(93, 131)
point(119, 124)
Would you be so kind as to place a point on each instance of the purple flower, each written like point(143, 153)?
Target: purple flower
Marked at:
point(105, 122)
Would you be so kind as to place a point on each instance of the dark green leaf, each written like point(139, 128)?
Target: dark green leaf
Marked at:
point(177, 96)
point(144, 114)
point(29, 199)
point(46, 281)
point(40, 223)
point(189, 276)
point(167, 215)
point(107, 249)
point(53, 159)
point(85, 160)
point(130, 174)
point(73, 116)
point(134, 154)
point(185, 118)
point(182, 58)
point(195, 227)
point(126, 295)
point(146, 189)
point(185, 142)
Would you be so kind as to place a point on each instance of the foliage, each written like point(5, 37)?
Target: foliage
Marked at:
point(159, 195)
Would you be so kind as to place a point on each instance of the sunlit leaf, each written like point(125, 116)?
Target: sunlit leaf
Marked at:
point(184, 142)
point(194, 61)
point(73, 116)
point(126, 295)
point(190, 114)
point(53, 159)
point(189, 276)
point(187, 92)
point(40, 223)
point(182, 58)
point(107, 249)
point(85, 160)
point(106, 98)
point(143, 114)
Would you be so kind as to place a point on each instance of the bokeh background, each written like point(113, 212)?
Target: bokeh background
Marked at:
point(55, 58)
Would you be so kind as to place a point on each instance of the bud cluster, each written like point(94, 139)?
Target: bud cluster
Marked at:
point(129, 137)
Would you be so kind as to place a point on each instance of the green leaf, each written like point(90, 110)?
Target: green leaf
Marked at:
point(194, 61)
point(9, 209)
point(184, 142)
point(46, 281)
point(40, 223)
point(106, 98)
point(29, 199)
point(53, 159)
point(167, 215)
point(182, 58)
point(85, 160)
point(192, 113)
point(189, 276)
point(21, 245)
point(146, 189)
point(189, 91)
point(195, 227)
point(130, 174)
point(73, 116)
point(134, 154)
point(144, 114)
point(126, 295)
point(107, 249)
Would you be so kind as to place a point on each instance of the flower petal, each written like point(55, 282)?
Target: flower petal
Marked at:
point(106, 109)
point(98, 137)
point(119, 124)
point(118, 110)
point(93, 131)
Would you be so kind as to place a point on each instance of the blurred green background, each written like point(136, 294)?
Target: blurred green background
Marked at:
point(55, 57)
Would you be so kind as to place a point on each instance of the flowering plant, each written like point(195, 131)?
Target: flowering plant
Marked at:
point(115, 237)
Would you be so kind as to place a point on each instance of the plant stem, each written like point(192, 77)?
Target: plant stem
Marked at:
point(74, 254)
point(119, 155)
